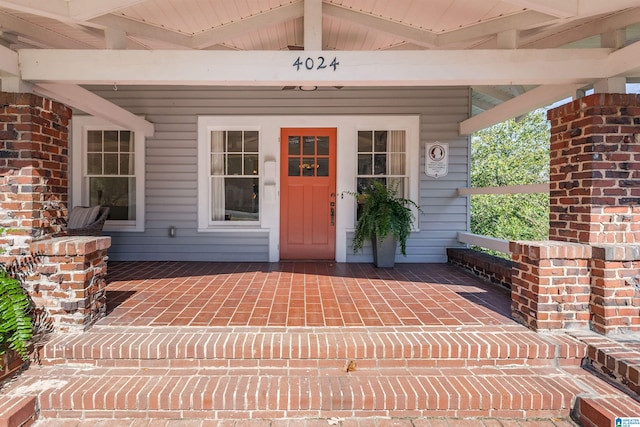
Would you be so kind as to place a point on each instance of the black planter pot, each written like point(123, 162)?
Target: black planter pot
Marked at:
point(384, 251)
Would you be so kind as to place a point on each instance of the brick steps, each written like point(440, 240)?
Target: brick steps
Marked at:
point(422, 346)
point(301, 373)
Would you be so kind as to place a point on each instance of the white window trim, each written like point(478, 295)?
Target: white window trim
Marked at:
point(347, 154)
point(205, 223)
point(79, 194)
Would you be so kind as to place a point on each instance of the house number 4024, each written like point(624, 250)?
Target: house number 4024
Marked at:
point(319, 63)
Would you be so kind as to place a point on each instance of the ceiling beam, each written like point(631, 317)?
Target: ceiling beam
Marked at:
point(414, 35)
point(541, 96)
point(8, 62)
point(354, 68)
point(312, 24)
point(518, 21)
point(624, 61)
point(67, 10)
point(556, 37)
point(227, 31)
point(51, 39)
point(142, 29)
point(575, 8)
point(82, 99)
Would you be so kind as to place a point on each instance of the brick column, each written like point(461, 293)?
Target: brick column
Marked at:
point(550, 285)
point(595, 170)
point(69, 280)
point(594, 203)
point(33, 171)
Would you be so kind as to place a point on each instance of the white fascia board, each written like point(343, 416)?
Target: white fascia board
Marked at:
point(541, 96)
point(277, 68)
point(575, 8)
point(9, 62)
point(82, 99)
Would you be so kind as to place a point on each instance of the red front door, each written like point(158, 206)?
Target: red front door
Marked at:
point(308, 194)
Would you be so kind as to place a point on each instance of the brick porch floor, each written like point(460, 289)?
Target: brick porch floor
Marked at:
point(300, 294)
point(217, 343)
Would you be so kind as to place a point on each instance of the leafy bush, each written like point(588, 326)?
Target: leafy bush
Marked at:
point(16, 327)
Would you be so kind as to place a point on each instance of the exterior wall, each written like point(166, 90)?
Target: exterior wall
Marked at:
point(171, 165)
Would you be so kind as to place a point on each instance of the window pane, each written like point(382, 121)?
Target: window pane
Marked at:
point(94, 164)
point(234, 164)
point(380, 164)
point(323, 145)
point(308, 167)
point(234, 141)
point(126, 164)
point(217, 164)
point(251, 164)
point(116, 192)
point(217, 141)
point(294, 145)
point(94, 141)
point(294, 167)
point(111, 141)
point(380, 142)
point(365, 142)
point(309, 145)
point(365, 164)
point(241, 199)
point(323, 167)
point(396, 164)
point(251, 141)
point(126, 141)
point(111, 164)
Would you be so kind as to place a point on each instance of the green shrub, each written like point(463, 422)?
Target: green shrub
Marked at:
point(16, 328)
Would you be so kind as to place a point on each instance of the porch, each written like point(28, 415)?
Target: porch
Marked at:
point(307, 294)
point(187, 343)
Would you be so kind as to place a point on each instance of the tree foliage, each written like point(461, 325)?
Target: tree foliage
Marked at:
point(514, 152)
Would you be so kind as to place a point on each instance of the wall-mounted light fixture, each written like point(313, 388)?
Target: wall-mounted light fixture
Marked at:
point(172, 231)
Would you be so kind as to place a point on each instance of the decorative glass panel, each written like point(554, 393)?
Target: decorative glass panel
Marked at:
point(323, 167)
point(294, 145)
point(294, 167)
point(323, 146)
point(309, 145)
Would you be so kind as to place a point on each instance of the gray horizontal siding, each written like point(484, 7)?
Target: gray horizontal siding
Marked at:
point(171, 155)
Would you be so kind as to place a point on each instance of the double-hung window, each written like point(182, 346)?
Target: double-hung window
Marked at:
point(382, 157)
point(108, 170)
point(234, 176)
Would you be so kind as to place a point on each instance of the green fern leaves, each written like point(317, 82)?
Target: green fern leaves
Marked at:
point(16, 327)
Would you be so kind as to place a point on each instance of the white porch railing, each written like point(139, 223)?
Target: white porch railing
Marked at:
point(493, 243)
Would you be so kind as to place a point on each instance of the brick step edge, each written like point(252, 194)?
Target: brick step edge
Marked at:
point(520, 394)
point(616, 360)
point(18, 411)
point(602, 411)
point(342, 344)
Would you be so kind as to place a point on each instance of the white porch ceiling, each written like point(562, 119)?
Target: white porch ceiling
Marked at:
point(387, 42)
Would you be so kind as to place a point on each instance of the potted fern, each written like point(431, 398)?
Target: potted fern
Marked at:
point(386, 220)
point(16, 328)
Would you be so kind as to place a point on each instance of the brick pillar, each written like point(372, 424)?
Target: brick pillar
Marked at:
point(594, 204)
point(33, 171)
point(595, 170)
point(550, 286)
point(69, 280)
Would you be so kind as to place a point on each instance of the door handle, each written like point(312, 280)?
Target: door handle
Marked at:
point(333, 216)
